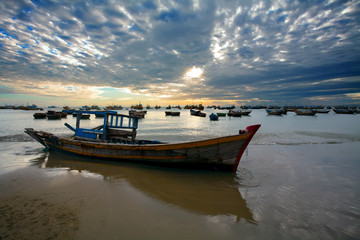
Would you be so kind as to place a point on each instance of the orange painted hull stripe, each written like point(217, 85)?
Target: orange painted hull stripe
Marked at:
point(118, 156)
point(157, 147)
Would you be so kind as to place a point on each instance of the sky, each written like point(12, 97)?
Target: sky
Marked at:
point(113, 52)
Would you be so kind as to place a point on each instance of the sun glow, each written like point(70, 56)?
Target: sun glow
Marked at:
point(194, 72)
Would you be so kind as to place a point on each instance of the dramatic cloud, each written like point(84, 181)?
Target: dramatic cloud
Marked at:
point(219, 52)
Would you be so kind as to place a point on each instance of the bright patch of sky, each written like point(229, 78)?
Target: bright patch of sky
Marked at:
point(194, 72)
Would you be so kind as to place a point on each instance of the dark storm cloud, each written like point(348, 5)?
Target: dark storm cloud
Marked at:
point(245, 49)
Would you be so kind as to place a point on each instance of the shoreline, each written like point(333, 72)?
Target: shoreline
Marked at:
point(57, 197)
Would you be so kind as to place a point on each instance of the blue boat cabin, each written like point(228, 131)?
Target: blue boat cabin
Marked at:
point(116, 127)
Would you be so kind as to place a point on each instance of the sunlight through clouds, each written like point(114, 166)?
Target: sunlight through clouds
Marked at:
point(194, 72)
point(178, 50)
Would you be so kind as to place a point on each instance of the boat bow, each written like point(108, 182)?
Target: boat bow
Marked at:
point(252, 130)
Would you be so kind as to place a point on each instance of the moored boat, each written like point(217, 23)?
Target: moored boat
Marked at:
point(29, 107)
point(232, 113)
point(322, 110)
point(305, 112)
point(197, 113)
point(138, 114)
point(85, 116)
point(52, 115)
point(116, 139)
point(170, 113)
point(245, 112)
point(274, 111)
point(221, 114)
point(344, 111)
point(239, 113)
point(214, 117)
point(39, 115)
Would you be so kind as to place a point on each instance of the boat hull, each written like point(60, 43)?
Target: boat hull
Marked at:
point(344, 111)
point(305, 112)
point(222, 153)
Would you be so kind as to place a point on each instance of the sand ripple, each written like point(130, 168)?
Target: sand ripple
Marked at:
point(35, 218)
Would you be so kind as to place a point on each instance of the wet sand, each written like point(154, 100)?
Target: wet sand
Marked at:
point(31, 208)
point(36, 218)
point(84, 200)
point(311, 196)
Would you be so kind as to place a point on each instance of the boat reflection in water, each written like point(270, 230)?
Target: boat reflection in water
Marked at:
point(204, 192)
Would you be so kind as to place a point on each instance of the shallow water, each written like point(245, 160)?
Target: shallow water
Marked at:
point(298, 179)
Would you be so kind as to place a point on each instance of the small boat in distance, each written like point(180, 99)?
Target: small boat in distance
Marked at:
point(344, 111)
point(85, 116)
point(232, 113)
point(197, 113)
point(116, 140)
point(305, 112)
point(214, 117)
point(138, 114)
point(245, 112)
point(274, 111)
point(221, 114)
point(322, 110)
point(170, 113)
point(39, 115)
point(53, 116)
point(29, 107)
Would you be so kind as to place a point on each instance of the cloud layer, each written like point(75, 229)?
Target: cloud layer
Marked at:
point(243, 51)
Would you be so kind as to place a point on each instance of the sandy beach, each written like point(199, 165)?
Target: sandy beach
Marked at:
point(33, 208)
point(111, 202)
point(60, 197)
point(298, 179)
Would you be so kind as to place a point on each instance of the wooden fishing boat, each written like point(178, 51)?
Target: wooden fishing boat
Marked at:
point(344, 111)
point(39, 115)
point(52, 115)
point(274, 111)
point(138, 114)
point(170, 113)
point(214, 117)
point(245, 112)
point(29, 107)
point(305, 112)
point(232, 113)
point(322, 110)
point(84, 116)
point(221, 114)
point(116, 139)
point(197, 113)
point(239, 113)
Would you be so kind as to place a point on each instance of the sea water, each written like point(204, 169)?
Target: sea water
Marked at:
point(298, 179)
